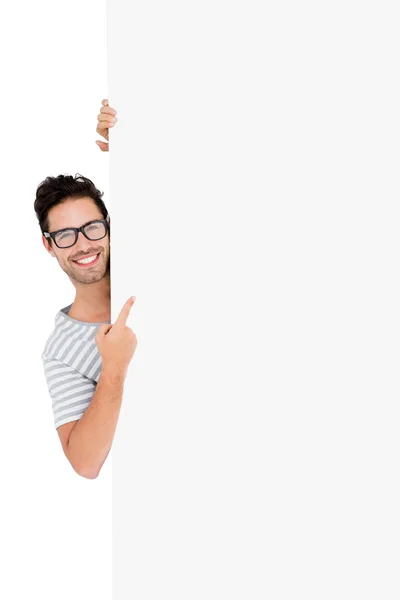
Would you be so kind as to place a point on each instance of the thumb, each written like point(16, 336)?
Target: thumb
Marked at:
point(102, 145)
point(103, 330)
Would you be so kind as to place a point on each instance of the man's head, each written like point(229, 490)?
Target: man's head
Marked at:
point(63, 203)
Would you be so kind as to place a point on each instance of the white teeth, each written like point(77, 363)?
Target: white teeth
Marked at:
point(85, 261)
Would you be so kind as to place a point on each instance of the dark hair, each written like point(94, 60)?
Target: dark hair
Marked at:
point(54, 190)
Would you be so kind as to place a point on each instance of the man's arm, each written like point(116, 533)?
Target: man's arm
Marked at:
point(87, 442)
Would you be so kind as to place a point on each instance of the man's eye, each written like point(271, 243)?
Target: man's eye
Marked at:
point(65, 235)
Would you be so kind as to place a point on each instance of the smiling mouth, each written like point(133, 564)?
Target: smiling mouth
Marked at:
point(87, 261)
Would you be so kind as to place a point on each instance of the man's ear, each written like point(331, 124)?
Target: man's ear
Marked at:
point(47, 245)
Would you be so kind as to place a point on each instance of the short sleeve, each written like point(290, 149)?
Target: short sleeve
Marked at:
point(70, 391)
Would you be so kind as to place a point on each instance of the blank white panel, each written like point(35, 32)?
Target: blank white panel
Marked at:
point(254, 186)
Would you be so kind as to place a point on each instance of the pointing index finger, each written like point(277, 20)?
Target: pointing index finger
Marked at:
point(125, 310)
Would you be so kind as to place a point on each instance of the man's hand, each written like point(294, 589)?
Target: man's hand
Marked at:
point(105, 119)
point(117, 343)
point(88, 441)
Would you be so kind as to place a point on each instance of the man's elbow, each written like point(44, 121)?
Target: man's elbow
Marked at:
point(87, 468)
point(86, 471)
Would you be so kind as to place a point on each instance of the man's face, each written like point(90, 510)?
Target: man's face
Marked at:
point(75, 213)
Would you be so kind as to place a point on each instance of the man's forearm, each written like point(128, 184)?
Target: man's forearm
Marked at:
point(91, 439)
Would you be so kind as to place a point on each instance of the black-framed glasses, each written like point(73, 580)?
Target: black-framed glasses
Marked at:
point(94, 230)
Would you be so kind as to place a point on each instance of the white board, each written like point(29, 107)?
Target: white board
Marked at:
point(254, 183)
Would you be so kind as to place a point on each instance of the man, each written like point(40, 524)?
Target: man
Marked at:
point(85, 358)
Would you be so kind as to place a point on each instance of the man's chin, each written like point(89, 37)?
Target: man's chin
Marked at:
point(88, 277)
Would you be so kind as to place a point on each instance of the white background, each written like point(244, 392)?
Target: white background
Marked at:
point(55, 526)
point(254, 175)
point(258, 158)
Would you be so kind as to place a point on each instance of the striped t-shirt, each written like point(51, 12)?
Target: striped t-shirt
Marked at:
point(72, 365)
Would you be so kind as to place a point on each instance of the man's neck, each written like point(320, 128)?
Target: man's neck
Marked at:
point(92, 302)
